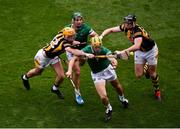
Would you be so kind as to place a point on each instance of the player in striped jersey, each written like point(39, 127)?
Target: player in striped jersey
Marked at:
point(48, 55)
point(144, 47)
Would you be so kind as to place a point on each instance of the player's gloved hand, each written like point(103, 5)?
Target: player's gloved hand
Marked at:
point(88, 55)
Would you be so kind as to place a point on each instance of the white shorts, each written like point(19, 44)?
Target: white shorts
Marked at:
point(41, 61)
point(107, 74)
point(69, 55)
point(150, 56)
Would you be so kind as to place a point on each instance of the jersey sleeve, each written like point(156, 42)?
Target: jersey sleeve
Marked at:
point(138, 32)
point(121, 27)
point(66, 44)
point(89, 29)
point(106, 51)
point(86, 49)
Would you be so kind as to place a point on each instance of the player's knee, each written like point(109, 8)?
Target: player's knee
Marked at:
point(61, 76)
point(77, 72)
point(104, 98)
point(152, 73)
point(138, 75)
point(38, 71)
point(139, 71)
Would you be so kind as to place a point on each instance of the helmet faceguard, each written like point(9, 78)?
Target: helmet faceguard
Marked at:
point(96, 41)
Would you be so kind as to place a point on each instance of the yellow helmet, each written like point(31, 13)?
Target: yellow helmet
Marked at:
point(96, 41)
point(68, 31)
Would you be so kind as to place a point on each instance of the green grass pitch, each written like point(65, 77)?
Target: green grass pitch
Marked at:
point(27, 25)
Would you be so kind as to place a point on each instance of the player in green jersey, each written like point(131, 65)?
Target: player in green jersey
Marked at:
point(102, 70)
point(83, 31)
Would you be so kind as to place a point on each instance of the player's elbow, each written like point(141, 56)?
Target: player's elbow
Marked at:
point(137, 47)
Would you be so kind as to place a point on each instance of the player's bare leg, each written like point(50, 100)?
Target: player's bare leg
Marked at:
point(76, 75)
point(31, 73)
point(58, 68)
point(139, 70)
point(116, 84)
point(76, 80)
point(101, 90)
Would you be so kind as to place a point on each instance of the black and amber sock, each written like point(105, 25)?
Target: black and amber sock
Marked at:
point(145, 68)
point(155, 82)
point(146, 73)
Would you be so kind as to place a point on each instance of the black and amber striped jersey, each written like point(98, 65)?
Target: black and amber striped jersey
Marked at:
point(138, 31)
point(56, 46)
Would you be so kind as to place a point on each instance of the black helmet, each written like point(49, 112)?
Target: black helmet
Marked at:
point(130, 18)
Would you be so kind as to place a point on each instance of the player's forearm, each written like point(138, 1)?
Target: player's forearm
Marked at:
point(132, 48)
point(71, 63)
point(110, 30)
point(113, 62)
point(78, 52)
point(110, 59)
point(136, 46)
point(75, 51)
point(106, 32)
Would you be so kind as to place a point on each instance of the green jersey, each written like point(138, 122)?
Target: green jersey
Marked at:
point(82, 34)
point(97, 64)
